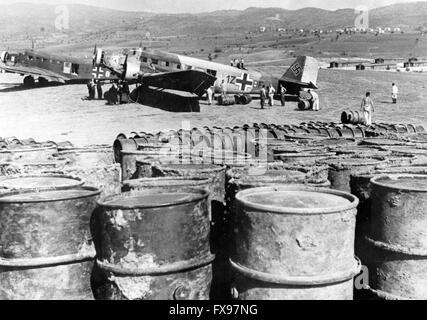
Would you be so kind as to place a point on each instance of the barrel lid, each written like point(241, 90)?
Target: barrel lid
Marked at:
point(39, 182)
point(297, 200)
point(147, 199)
point(48, 195)
point(402, 182)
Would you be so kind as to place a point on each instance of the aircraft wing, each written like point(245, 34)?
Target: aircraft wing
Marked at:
point(34, 71)
point(193, 81)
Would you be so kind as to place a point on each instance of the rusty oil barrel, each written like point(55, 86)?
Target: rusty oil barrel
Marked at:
point(90, 156)
point(154, 246)
point(30, 152)
point(106, 178)
point(130, 158)
point(184, 178)
point(340, 169)
point(303, 158)
point(46, 252)
point(397, 238)
point(95, 165)
point(282, 251)
point(31, 167)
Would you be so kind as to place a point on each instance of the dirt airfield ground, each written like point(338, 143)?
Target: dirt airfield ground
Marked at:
point(60, 114)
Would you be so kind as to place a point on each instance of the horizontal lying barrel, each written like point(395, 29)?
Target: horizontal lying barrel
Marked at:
point(397, 237)
point(45, 246)
point(304, 105)
point(226, 100)
point(352, 117)
point(153, 245)
point(294, 243)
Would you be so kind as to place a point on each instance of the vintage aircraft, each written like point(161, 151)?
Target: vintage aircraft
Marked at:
point(139, 63)
point(47, 67)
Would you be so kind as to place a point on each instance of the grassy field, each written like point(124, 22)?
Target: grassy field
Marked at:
point(60, 114)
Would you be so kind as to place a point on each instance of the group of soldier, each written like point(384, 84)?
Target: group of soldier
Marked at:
point(117, 94)
point(240, 64)
point(367, 105)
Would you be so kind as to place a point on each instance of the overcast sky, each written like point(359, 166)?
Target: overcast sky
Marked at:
point(175, 6)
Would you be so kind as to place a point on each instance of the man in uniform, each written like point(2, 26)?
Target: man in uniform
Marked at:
point(263, 96)
point(282, 94)
point(394, 92)
point(368, 108)
point(314, 100)
point(99, 90)
point(209, 92)
point(271, 92)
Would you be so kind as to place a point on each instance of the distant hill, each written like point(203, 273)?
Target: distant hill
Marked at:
point(26, 21)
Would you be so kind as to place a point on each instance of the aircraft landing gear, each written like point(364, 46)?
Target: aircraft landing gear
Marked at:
point(43, 81)
point(29, 82)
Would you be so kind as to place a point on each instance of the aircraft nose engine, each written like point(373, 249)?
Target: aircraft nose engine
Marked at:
point(3, 56)
point(132, 70)
point(98, 58)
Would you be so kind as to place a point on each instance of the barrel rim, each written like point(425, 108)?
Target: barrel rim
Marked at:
point(210, 167)
point(304, 154)
point(203, 194)
point(93, 192)
point(47, 188)
point(305, 281)
point(375, 182)
point(354, 201)
point(200, 180)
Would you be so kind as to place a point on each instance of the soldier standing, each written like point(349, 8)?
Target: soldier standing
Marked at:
point(209, 92)
point(282, 94)
point(394, 92)
point(271, 92)
point(263, 96)
point(368, 108)
point(99, 89)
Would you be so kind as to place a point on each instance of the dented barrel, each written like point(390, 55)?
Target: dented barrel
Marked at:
point(397, 237)
point(340, 169)
point(294, 243)
point(154, 246)
point(46, 251)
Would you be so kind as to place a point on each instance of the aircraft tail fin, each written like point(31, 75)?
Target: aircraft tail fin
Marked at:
point(303, 72)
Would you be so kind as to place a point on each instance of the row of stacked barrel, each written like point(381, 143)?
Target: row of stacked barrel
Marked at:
point(240, 227)
point(267, 218)
point(48, 192)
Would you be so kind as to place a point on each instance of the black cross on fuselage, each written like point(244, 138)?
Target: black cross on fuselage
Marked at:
point(244, 82)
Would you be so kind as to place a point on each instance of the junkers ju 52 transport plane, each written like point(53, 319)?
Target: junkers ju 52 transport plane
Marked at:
point(176, 70)
point(46, 67)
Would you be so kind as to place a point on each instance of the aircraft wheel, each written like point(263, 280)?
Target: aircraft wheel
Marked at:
point(29, 81)
point(43, 81)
